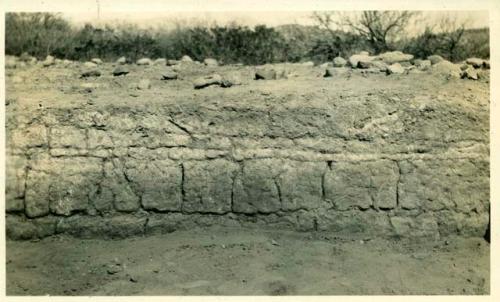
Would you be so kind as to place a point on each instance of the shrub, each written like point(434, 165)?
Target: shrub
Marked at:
point(40, 34)
point(453, 46)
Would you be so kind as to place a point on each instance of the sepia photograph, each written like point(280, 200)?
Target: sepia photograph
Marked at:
point(312, 152)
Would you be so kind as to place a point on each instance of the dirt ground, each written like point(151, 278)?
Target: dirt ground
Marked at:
point(246, 262)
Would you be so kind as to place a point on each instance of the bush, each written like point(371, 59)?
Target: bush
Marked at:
point(40, 34)
point(472, 43)
point(339, 44)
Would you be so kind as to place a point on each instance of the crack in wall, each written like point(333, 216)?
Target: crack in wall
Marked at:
point(181, 127)
point(278, 188)
point(397, 184)
point(183, 188)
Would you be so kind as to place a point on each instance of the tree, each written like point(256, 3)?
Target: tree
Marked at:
point(451, 33)
point(380, 28)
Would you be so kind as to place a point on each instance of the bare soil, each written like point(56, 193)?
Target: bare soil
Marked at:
point(246, 262)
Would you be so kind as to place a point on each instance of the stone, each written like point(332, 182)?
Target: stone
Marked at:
point(422, 226)
point(21, 228)
point(24, 57)
point(225, 83)
point(339, 62)
point(172, 62)
point(203, 82)
point(436, 185)
point(144, 84)
point(66, 62)
point(70, 183)
point(133, 279)
point(306, 221)
point(447, 69)
point(392, 57)
point(121, 61)
point(326, 65)
point(49, 61)
point(475, 62)
point(475, 224)
point(99, 139)
point(256, 188)
point(90, 73)
point(37, 194)
point(96, 61)
point(160, 61)
point(395, 68)
point(375, 65)
point(402, 225)
point(483, 74)
point(435, 59)
point(450, 222)
point(463, 66)
point(308, 64)
point(89, 87)
point(66, 152)
point(208, 186)
point(169, 75)
point(144, 61)
point(422, 64)
point(265, 74)
point(354, 224)
point(364, 53)
point(355, 60)
point(68, 137)
point(210, 62)
point(115, 189)
point(335, 71)
point(486, 64)
point(158, 182)
point(470, 73)
point(186, 59)
point(120, 70)
point(119, 226)
point(15, 184)
point(89, 65)
point(32, 136)
point(300, 185)
point(283, 74)
point(414, 71)
point(114, 268)
point(362, 185)
point(164, 223)
point(10, 62)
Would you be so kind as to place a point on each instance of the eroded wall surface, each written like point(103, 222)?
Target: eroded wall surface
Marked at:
point(370, 165)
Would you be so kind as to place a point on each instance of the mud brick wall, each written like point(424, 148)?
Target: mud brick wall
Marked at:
point(364, 168)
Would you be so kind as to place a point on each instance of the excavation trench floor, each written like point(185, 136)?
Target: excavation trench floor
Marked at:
point(246, 262)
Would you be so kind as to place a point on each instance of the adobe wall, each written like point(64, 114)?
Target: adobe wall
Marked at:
point(368, 166)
